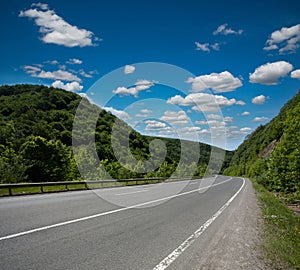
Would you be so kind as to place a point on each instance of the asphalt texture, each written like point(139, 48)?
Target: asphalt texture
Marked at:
point(122, 228)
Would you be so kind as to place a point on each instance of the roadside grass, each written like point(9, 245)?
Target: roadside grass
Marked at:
point(282, 231)
point(4, 192)
point(70, 187)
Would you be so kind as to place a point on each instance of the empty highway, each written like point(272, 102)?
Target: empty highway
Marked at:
point(175, 225)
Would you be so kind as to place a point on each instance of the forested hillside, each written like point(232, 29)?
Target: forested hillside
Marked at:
point(272, 152)
point(36, 140)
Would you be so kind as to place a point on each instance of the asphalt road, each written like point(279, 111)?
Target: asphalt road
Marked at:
point(160, 226)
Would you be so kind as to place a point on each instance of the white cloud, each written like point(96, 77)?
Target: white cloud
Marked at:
point(123, 91)
point(175, 118)
point(202, 47)
point(206, 47)
point(216, 46)
point(84, 74)
point(188, 130)
point(260, 119)
point(140, 85)
point(219, 131)
point(215, 122)
point(204, 131)
point(73, 86)
point(93, 72)
point(245, 129)
point(245, 113)
point(84, 95)
point(240, 102)
point(225, 30)
point(218, 82)
point(202, 102)
point(271, 47)
point(56, 30)
point(214, 116)
point(143, 84)
point(51, 75)
point(212, 123)
point(156, 125)
point(296, 74)
point(161, 128)
point(40, 5)
point(286, 39)
point(144, 113)
point(270, 73)
point(228, 119)
point(53, 62)
point(32, 70)
point(261, 99)
point(74, 61)
point(120, 114)
point(129, 69)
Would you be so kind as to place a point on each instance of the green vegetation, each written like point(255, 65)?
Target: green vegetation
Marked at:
point(282, 231)
point(271, 154)
point(36, 125)
point(68, 186)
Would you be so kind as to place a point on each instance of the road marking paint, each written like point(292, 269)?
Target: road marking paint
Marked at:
point(189, 241)
point(104, 213)
point(126, 193)
point(194, 183)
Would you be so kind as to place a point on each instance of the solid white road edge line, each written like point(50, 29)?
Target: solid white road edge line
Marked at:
point(103, 214)
point(180, 249)
point(133, 192)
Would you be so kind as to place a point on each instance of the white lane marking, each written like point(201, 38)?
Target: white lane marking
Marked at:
point(102, 214)
point(194, 183)
point(180, 249)
point(126, 193)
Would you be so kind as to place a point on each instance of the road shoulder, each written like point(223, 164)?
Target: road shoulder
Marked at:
point(234, 240)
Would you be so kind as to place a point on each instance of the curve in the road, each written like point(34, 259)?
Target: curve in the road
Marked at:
point(19, 234)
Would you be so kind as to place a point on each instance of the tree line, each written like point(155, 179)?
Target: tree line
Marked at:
point(271, 154)
point(36, 139)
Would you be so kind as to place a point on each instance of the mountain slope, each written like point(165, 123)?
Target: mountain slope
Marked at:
point(36, 124)
point(272, 152)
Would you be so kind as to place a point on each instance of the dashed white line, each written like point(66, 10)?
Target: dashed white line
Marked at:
point(103, 214)
point(180, 249)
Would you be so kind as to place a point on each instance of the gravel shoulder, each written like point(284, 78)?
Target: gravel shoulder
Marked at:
point(234, 240)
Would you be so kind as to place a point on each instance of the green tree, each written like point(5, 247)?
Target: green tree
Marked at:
point(46, 160)
point(12, 167)
point(284, 165)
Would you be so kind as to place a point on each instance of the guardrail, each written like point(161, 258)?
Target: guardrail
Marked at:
point(65, 186)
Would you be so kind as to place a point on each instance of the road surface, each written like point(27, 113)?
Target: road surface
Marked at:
point(171, 225)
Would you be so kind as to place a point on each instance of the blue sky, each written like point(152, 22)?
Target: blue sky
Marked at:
point(231, 64)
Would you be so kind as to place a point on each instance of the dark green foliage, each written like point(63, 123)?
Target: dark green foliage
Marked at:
point(12, 167)
point(36, 138)
point(271, 154)
point(35, 134)
point(46, 160)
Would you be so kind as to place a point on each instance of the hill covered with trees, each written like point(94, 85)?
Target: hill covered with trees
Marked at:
point(271, 153)
point(36, 139)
